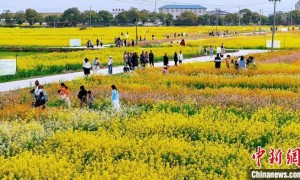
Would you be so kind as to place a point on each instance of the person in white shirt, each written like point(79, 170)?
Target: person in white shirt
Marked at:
point(35, 91)
point(86, 67)
point(180, 57)
point(222, 50)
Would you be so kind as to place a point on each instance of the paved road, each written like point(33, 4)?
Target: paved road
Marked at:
point(71, 76)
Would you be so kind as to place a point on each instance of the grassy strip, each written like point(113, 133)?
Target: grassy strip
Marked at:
point(41, 71)
point(12, 54)
point(38, 49)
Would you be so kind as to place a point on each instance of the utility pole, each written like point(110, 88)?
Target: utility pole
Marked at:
point(260, 20)
point(217, 21)
point(136, 32)
point(260, 17)
point(16, 60)
point(54, 23)
point(155, 6)
point(291, 16)
point(90, 16)
point(239, 16)
point(274, 20)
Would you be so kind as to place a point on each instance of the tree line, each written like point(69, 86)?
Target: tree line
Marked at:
point(73, 16)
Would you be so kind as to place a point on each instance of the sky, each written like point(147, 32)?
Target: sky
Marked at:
point(61, 5)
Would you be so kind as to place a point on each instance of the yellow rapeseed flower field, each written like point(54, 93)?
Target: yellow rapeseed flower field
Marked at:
point(196, 122)
point(75, 58)
point(58, 62)
point(252, 41)
point(60, 37)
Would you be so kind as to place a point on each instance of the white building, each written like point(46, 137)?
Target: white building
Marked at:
point(297, 6)
point(116, 11)
point(176, 10)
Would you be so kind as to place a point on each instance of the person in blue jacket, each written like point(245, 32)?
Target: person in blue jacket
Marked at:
point(115, 98)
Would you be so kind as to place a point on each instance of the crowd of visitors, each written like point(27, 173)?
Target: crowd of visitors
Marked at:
point(240, 63)
point(40, 96)
point(99, 43)
point(86, 98)
point(222, 33)
point(123, 39)
point(132, 61)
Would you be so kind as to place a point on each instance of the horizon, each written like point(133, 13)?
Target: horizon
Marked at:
point(57, 6)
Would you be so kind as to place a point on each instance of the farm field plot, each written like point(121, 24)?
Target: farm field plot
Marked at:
point(34, 64)
point(40, 64)
point(59, 37)
point(288, 40)
point(193, 123)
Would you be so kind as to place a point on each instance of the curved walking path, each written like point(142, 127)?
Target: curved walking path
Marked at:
point(119, 69)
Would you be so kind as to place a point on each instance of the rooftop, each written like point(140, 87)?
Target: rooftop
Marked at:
point(182, 7)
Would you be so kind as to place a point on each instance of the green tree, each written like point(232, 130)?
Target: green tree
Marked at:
point(204, 19)
point(296, 17)
point(280, 18)
point(41, 19)
point(20, 17)
point(264, 20)
point(213, 19)
point(105, 16)
point(161, 17)
point(144, 15)
point(188, 18)
point(133, 15)
point(8, 17)
point(166, 19)
point(32, 16)
point(169, 19)
point(72, 15)
point(232, 19)
point(87, 15)
point(52, 18)
point(246, 16)
point(122, 18)
point(153, 17)
point(255, 18)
